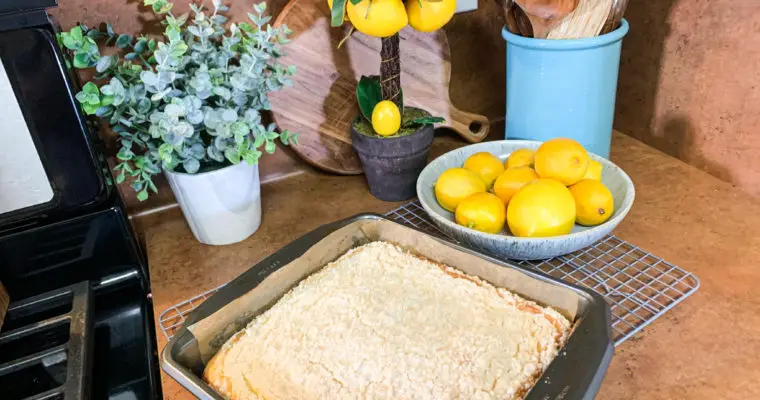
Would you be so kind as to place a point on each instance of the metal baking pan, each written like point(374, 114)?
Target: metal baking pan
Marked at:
point(576, 373)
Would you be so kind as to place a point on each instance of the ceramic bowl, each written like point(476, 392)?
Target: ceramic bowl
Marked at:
point(505, 244)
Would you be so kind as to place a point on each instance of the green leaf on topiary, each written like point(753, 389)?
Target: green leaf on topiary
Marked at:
point(337, 12)
point(368, 94)
point(401, 100)
point(424, 121)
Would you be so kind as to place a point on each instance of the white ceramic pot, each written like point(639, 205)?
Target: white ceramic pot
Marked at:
point(221, 206)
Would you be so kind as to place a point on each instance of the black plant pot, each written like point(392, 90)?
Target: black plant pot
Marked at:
point(393, 164)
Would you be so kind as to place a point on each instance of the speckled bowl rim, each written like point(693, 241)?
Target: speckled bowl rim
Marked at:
point(627, 203)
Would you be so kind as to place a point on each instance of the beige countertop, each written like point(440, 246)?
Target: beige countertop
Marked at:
point(705, 348)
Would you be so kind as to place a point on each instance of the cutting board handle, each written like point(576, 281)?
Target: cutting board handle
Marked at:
point(472, 127)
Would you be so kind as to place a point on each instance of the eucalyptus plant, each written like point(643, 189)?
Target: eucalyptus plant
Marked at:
point(190, 100)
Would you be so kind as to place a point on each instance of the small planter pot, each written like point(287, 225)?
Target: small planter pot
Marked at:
point(393, 164)
point(221, 206)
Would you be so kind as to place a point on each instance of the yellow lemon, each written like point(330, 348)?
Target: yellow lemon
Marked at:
point(427, 16)
point(562, 159)
point(454, 185)
point(486, 165)
point(594, 203)
point(384, 18)
point(520, 158)
point(345, 16)
point(594, 170)
point(483, 212)
point(542, 208)
point(512, 180)
point(386, 118)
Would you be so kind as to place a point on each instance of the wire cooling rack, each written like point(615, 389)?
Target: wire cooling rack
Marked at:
point(638, 285)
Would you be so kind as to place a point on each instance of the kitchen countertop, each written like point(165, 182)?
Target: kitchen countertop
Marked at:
point(705, 348)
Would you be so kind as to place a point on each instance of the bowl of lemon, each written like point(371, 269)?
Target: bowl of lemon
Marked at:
point(525, 200)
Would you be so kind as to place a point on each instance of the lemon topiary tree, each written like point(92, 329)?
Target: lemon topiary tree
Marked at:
point(391, 140)
point(380, 97)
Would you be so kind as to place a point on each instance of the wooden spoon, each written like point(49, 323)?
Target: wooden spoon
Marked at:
point(615, 16)
point(543, 14)
point(523, 22)
point(515, 18)
point(586, 21)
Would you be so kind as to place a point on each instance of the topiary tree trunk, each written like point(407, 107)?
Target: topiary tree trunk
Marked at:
point(390, 69)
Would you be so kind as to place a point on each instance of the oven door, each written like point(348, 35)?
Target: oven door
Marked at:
point(49, 164)
point(98, 248)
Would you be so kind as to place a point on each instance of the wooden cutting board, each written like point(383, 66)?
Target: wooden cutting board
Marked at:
point(322, 102)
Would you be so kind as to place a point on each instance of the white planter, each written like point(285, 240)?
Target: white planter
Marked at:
point(221, 206)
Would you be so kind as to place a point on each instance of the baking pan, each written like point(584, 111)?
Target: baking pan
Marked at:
point(576, 373)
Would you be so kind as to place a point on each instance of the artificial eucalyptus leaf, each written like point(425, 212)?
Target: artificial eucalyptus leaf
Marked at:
point(215, 154)
point(191, 165)
point(104, 111)
point(123, 41)
point(141, 46)
point(93, 34)
point(232, 156)
point(270, 147)
point(165, 152)
point(90, 109)
point(143, 105)
point(69, 42)
point(228, 115)
point(104, 63)
point(251, 157)
point(82, 97)
point(76, 33)
point(195, 117)
point(124, 154)
point(151, 169)
point(81, 60)
point(368, 94)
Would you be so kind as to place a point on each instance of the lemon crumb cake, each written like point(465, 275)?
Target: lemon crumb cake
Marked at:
point(381, 323)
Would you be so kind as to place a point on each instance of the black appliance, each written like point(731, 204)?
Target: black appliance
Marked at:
point(80, 324)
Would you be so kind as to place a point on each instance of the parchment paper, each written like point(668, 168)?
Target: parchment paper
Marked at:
point(213, 331)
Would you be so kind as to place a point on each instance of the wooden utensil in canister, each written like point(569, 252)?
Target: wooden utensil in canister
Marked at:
point(615, 16)
point(586, 21)
point(516, 20)
point(544, 14)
